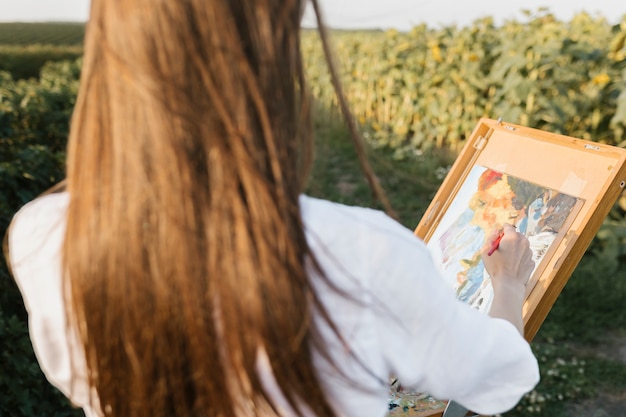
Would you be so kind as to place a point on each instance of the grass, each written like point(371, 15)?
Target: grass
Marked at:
point(410, 182)
point(569, 342)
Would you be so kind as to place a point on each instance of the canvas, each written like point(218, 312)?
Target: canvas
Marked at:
point(486, 201)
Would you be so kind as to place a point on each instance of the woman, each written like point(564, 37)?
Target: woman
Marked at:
point(183, 273)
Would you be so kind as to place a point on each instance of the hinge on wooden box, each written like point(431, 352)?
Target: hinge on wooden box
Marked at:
point(480, 143)
point(482, 140)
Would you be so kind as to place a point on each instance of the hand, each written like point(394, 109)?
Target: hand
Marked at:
point(509, 266)
point(511, 261)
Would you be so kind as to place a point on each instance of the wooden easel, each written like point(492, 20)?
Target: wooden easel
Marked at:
point(592, 173)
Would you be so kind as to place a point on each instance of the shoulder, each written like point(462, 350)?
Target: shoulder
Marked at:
point(332, 221)
point(35, 239)
point(35, 243)
point(37, 219)
point(316, 210)
point(363, 244)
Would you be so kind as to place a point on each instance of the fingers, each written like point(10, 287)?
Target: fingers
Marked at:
point(509, 228)
point(507, 255)
point(512, 239)
point(492, 242)
point(495, 234)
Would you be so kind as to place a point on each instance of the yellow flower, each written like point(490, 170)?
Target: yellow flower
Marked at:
point(437, 54)
point(601, 79)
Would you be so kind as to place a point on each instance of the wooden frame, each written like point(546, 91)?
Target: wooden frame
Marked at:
point(579, 180)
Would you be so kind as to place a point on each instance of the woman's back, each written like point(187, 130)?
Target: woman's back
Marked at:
point(398, 317)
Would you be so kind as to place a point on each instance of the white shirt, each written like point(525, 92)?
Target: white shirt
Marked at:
point(400, 319)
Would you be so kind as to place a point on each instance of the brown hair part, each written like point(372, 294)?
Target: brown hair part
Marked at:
point(189, 146)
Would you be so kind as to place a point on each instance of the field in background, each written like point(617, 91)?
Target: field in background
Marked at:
point(42, 33)
point(417, 95)
point(428, 87)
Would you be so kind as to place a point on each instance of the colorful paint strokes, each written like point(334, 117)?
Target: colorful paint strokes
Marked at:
point(486, 201)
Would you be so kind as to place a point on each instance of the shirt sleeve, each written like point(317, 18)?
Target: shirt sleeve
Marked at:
point(414, 327)
point(35, 240)
point(439, 345)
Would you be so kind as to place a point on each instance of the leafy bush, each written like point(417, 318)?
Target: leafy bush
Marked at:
point(25, 391)
point(27, 61)
point(428, 87)
point(34, 120)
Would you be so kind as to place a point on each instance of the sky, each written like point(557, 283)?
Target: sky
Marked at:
point(404, 14)
point(361, 14)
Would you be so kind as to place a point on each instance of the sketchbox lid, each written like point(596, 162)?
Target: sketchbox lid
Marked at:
point(555, 189)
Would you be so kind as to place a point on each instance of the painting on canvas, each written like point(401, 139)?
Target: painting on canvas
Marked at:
point(486, 201)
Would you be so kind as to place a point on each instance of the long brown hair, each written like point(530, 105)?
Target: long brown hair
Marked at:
point(185, 252)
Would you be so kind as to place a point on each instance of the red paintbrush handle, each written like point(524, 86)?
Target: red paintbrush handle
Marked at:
point(495, 244)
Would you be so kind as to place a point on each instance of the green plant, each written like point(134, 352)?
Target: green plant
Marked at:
point(34, 120)
point(410, 180)
point(25, 392)
point(25, 62)
point(428, 87)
